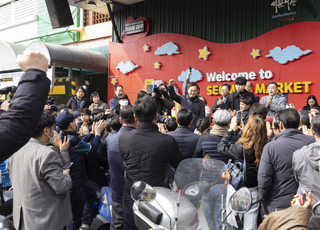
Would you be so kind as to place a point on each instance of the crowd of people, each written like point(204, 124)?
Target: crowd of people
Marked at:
point(142, 142)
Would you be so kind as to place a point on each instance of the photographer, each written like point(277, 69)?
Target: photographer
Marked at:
point(20, 120)
point(162, 98)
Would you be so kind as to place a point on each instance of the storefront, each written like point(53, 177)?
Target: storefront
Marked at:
point(264, 42)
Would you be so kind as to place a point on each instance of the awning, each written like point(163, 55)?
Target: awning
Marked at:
point(71, 57)
point(8, 56)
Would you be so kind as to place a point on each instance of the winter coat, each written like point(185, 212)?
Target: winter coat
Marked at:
point(73, 103)
point(196, 106)
point(101, 105)
point(276, 182)
point(234, 99)
point(293, 218)
point(235, 151)
point(186, 140)
point(305, 164)
point(26, 107)
point(216, 106)
point(146, 153)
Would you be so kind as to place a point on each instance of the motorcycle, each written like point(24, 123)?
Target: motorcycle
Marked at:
point(103, 218)
point(184, 206)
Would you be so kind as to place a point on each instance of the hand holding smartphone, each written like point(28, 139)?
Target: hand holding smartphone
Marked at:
point(67, 166)
point(303, 196)
point(238, 118)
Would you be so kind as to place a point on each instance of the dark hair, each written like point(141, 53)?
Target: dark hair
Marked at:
point(142, 93)
point(80, 87)
point(108, 123)
point(116, 86)
point(314, 98)
point(228, 86)
point(304, 118)
point(126, 114)
point(96, 111)
point(273, 83)
point(204, 99)
point(61, 107)
point(171, 124)
point(115, 123)
point(276, 119)
point(47, 119)
point(203, 124)
point(258, 109)
point(316, 107)
point(191, 84)
point(240, 81)
point(184, 117)
point(145, 109)
point(246, 100)
point(94, 94)
point(290, 118)
point(122, 96)
point(316, 125)
point(85, 111)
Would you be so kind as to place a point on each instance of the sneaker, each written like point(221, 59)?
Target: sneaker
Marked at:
point(84, 227)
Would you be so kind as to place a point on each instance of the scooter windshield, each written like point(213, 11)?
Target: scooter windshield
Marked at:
point(200, 181)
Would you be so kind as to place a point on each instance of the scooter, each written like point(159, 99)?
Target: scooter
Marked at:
point(103, 219)
point(182, 207)
point(241, 202)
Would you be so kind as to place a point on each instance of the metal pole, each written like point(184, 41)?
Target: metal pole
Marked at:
point(113, 23)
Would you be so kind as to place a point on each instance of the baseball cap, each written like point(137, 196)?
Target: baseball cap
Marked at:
point(65, 118)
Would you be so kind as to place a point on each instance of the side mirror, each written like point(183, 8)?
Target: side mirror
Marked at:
point(241, 200)
point(316, 210)
point(141, 191)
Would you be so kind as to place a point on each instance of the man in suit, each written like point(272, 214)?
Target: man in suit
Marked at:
point(40, 198)
point(234, 98)
point(273, 101)
point(221, 102)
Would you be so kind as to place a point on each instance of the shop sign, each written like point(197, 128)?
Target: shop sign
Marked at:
point(134, 27)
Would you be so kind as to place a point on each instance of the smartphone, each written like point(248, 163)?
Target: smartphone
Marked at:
point(190, 68)
point(303, 196)
point(63, 134)
point(67, 166)
point(238, 118)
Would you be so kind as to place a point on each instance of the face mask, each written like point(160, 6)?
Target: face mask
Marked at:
point(124, 103)
point(51, 138)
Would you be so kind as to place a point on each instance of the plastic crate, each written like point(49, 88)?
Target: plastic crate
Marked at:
point(6, 182)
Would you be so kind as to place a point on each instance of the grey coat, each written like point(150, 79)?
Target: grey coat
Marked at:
point(40, 198)
point(305, 164)
point(278, 103)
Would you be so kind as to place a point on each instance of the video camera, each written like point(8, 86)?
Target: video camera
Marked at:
point(8, 90)
point(51, 102)
point(158, 92)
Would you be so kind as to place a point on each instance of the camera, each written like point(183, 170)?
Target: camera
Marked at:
point(158, 92)
point(9, 89)
point(51, 102)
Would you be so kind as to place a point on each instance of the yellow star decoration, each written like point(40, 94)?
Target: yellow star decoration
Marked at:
point(157, 65)
point(114, 81)
point(255, 53)
point(204, 53)
point(146, 48)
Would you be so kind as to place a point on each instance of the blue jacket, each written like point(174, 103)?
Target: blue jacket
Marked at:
point(276, 182)
point(116, 163)
point(78, 148)
point(186, 140)
point(196, 106)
